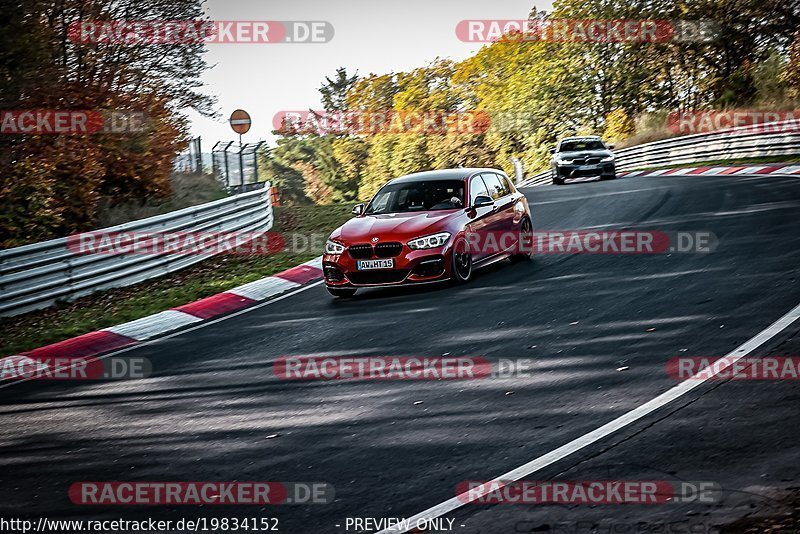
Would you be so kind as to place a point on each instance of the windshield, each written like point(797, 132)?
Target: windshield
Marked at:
point(575, 146)
point(418, 196)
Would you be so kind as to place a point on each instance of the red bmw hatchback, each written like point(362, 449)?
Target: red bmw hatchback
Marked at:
point(428, 227)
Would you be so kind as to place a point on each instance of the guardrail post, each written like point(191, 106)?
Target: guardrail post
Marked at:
point(227, 174)
point(255, 159)
point(519, 174)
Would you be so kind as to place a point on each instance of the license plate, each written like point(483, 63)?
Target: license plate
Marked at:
point(587, 168)
point(366, 265)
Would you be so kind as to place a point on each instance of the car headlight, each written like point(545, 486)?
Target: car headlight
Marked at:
point(332, 247)
point(564, 161)
point(429, 241)
point(607, 159)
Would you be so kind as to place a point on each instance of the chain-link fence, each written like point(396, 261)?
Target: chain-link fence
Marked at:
point(235, 166)
point(191, 160)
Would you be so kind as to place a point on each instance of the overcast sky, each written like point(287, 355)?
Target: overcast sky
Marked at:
point(370, 36)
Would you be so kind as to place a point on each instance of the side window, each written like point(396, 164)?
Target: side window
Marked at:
point(496, 189)
point(476, 188)
point(506, 185)
point(512, 186)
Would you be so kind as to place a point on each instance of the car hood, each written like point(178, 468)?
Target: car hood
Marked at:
point(394, 226)
point(585, 154)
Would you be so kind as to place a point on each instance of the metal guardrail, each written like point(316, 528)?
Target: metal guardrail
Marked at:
point(37, 275)
point(742, 142)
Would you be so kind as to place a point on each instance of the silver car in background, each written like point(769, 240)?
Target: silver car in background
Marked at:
point(580, 157)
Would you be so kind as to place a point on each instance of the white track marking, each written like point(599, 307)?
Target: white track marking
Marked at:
point(153, 325)
point(181, 332)
point(261, 289)
point(612, 427)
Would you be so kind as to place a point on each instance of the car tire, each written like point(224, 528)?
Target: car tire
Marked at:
point(556, 179)
point(609, 177)
point(461, 264)
point(525, 227)
point(341, 292)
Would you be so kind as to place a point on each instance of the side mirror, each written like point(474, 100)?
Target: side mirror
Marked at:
point(482, 200)
point(552, 150)
point(358, 209)
point(611, 147)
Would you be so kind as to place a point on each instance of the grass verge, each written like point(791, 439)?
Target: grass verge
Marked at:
point(214, 275)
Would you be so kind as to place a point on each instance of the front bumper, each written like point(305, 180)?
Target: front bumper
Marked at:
point(410, 267)
point(578, 171)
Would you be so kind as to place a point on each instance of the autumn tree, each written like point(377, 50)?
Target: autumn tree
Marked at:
point(55, 182)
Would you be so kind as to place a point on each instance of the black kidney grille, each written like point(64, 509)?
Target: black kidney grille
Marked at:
point(360, 252)
point(388, 250)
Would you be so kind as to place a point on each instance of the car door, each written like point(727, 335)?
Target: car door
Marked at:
point(512, 220)
point(501, 219)
point(479, 225)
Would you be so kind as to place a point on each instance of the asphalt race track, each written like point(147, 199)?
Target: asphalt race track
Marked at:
point(600, 329)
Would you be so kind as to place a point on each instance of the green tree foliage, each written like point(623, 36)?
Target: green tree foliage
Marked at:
point(350, 154)
point(283, 167)
point(334, 92)
point(619, 125)
point(376, 171)
point(791, 75)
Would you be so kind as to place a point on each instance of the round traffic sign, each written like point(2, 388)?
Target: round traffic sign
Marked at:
point(240, 121)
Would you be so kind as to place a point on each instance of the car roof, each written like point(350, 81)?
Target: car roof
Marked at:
point(442, 174)
point(582, 137)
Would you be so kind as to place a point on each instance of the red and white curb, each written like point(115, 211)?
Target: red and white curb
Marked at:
point(782, 169)
point(130, 333)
